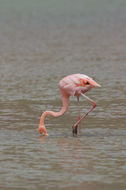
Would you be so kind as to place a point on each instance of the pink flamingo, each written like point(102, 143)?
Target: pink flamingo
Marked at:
point(76, 85)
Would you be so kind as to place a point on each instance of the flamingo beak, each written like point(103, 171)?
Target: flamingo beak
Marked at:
point(95, 84)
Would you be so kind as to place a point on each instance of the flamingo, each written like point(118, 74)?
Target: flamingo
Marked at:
point(71, 85)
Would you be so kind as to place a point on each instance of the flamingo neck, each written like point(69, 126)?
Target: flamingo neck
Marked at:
point(65, 100)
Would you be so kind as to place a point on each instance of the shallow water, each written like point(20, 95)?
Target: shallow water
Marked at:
point(41, 42)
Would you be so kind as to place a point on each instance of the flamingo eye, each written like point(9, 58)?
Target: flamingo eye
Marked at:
point(87, 83)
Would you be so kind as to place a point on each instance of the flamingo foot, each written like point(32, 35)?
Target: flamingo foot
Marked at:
point(74, 129)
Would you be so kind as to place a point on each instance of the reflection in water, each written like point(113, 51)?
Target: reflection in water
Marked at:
point(41, 43)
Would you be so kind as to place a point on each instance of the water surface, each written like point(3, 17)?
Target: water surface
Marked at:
point(41, 42)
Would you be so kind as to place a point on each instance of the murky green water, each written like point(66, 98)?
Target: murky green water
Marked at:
point(41, 42)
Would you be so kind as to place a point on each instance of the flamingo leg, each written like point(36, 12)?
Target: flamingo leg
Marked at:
point(79, 116)
point(94, 105)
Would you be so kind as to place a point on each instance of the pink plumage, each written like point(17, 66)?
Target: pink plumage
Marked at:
point(71, 85)
point(76, 83)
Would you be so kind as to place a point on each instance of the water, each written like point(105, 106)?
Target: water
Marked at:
point(41, 42)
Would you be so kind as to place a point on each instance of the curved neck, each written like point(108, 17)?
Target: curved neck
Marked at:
point(65, 100)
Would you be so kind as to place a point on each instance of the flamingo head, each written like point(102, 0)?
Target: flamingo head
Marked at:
point(42, 130)
point(90, 82)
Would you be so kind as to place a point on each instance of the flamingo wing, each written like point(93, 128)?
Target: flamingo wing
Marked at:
point(74, 83)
